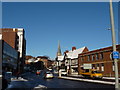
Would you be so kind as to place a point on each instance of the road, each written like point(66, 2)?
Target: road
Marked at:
point(34, 80)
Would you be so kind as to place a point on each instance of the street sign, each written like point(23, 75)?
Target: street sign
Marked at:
point(87, 66)
point(115, 55)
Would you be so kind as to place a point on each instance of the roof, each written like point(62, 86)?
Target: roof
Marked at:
point(110, 48)
point(74, 54)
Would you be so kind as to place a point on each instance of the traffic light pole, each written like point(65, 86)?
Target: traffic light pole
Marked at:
point(114, 46)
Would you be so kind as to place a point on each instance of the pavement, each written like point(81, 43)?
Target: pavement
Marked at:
point(78, 78)
point(109, 78)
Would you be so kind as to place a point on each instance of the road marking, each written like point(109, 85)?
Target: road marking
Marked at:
point(40, 86)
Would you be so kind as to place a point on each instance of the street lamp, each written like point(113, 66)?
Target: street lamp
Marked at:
point(114, 46)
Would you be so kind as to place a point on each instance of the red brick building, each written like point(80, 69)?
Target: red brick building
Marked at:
point(10, 36)
point(100, 59)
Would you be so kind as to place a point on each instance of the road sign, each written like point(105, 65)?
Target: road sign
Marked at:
point(115, 55)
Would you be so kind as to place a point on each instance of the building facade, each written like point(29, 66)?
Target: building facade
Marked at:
point(44, 59)
point(71, 59)
point(21, 47)
point(10, 36)
point(99, 59)
point(15, 37)
point(9, 57)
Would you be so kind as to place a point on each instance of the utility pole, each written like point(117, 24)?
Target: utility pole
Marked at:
point(114, 46)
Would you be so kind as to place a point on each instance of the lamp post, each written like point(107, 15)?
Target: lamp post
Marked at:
point(114, 45)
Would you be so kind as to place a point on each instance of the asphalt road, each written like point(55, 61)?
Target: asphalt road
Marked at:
point(62, 83)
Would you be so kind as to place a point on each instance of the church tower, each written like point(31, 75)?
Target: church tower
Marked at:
point(59, 50)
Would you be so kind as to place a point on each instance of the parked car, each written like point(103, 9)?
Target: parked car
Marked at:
point(48, 74)
point(92, 73)
point(64, 73)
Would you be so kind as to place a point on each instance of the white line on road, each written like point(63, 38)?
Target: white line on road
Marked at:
point(40, 86)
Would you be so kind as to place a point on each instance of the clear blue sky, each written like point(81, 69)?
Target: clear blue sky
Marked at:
point(73, 24)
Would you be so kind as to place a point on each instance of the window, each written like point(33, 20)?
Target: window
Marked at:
point(82, 58)
point(88, 57)
point(93, 66)
point(113, 66)
point(101, 55)
point(93, 57)
point(76, 61)
point(102, 67)
point(98, 67)
point(97, 56)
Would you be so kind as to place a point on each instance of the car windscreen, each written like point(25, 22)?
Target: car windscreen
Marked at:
point(48, 72)
point(96, 72)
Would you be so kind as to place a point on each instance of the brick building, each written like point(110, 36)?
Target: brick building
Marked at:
point(100, 59)
point(15, 37)
point(50, 64)
point(10, 36)
point(44, 59)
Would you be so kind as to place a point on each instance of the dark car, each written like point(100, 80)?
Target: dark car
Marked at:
point(38, 72)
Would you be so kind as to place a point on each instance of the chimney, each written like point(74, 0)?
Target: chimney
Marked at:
point(73, 48)
point(66, 51)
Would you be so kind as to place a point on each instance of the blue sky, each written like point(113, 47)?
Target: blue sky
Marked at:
point(73, 24)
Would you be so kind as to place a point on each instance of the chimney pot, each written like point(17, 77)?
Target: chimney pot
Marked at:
point(73, 48)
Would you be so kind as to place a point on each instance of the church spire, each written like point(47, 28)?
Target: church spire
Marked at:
point(59, 50)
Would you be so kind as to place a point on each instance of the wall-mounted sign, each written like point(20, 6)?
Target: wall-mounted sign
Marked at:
point(87, 66)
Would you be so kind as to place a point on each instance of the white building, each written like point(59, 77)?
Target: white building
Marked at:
point(21, 46)
point(20, 33)
point(71, 58)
